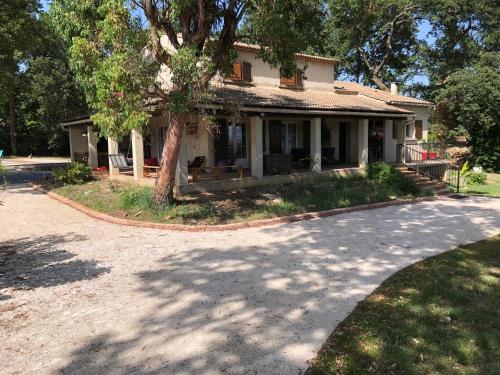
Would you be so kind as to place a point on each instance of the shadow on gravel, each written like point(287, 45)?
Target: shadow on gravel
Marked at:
point(249, 309)
point(28, 263)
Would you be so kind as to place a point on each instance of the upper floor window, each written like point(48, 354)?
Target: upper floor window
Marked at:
point(296, 80)
point(242, 71)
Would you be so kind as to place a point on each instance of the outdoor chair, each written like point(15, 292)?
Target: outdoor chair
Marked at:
point(196, 163)
point(328, 155)
point(119, 161)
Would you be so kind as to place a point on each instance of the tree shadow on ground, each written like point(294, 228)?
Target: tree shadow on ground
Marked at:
point(28, 263)
point(251, 309)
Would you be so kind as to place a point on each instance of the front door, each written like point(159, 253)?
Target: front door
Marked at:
point(375, 141)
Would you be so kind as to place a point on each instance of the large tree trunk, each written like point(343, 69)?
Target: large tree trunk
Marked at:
point(169, 157)
point(380, 84)
point(13, 122)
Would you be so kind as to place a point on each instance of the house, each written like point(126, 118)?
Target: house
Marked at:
point(287, 128)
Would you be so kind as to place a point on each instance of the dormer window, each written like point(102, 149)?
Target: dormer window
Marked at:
point(296, 80)
point(242, 71)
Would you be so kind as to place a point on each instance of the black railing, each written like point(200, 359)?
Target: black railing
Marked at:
point(429, 161)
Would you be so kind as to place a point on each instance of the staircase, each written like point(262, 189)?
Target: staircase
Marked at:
point(424, 182)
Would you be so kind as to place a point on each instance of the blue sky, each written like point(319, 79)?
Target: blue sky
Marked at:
point(424, 28)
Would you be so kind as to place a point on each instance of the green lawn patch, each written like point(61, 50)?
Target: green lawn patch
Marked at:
point(438, 316)
point(491, 188)
point(316, 194)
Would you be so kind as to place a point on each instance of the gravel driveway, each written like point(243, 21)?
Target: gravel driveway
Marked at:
point(80, 296)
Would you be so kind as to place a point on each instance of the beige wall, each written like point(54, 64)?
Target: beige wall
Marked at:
point(317, 75)
point(79, 143)
point(422, 113)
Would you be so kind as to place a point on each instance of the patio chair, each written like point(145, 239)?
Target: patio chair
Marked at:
point(119, 161)
point(197, 162)
point(328, 155)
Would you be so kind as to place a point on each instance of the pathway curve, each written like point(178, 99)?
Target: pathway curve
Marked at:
point(80, 296)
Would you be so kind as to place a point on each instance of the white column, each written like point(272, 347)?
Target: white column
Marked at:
point(71, 154)
point(112, 150)
point(316, 144)
point(362, 142)
point(389, 146)
point(181, 173)
point(137, 155)
point(92, 142)
point(256, 152)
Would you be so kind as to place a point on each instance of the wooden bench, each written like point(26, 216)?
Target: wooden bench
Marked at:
point(151, 170)
point(217, 171)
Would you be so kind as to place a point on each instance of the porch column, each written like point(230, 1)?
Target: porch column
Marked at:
point(92, 142)
point(257, 153)
point(362, 142)
point(316, 144)
point(137, 155)
point(389, 146)
point(71, 154)
point(112, 150)
point(181, 173)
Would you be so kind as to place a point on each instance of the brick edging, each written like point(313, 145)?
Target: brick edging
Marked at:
point(224, 227)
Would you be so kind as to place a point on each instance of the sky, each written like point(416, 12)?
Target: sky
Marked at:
point(423, 34)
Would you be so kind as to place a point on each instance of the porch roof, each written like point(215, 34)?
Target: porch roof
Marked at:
point(300, 100)
point(385, 96)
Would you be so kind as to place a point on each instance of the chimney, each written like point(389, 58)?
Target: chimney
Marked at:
point(394, 88)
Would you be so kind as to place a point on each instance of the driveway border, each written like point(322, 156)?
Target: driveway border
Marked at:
point(232, 226)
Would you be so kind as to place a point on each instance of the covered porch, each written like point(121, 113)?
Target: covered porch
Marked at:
point(263, 148)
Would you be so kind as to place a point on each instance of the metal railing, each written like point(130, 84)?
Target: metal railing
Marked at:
point(430, 162)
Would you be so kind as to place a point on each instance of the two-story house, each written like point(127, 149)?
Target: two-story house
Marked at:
point(279, 128)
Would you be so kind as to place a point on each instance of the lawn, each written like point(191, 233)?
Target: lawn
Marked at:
point(317, 194)
point(439, 316)
point(491, 188)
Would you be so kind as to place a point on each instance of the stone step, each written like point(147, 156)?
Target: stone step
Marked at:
point(438, 187)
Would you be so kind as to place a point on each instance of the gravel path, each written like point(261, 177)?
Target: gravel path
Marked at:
point(80, 296)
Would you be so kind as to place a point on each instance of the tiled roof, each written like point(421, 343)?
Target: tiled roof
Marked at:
point(303, 100)
point(304, 56)
point(380, 94)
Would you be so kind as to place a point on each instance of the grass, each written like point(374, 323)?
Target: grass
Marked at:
point(491, 188)
point(316, 194)
point(439, 316)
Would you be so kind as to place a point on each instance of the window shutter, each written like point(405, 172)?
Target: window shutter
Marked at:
point(296, 80)
point(247, 72)
point(237, 72)
point(299, 76)
point(418, 129)
point(287, 81)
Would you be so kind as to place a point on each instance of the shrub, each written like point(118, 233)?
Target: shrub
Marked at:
point(387, 174)
point(3, 175)
point(475, 178)
point(74, 174)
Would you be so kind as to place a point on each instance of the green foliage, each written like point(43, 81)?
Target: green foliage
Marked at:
point(3, 176)
point(470, 100)
point(74, 174)
point(372, 38)
point(106, 44)
point(476, 178)
point(461, 30)
point(387, 174)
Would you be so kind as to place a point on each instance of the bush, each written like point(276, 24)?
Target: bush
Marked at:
point(74, 174)
point(387, 174)
point(475, 178)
